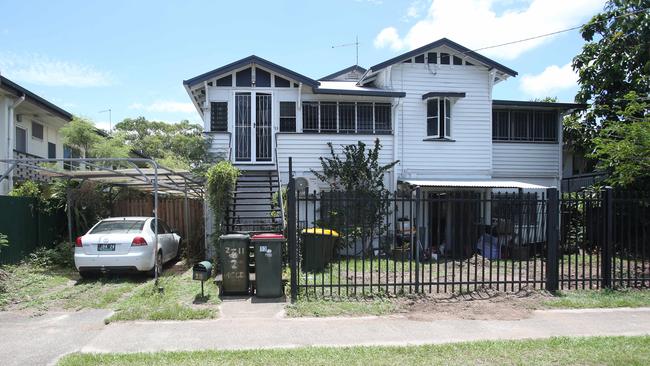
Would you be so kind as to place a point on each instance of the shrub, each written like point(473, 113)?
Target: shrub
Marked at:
point(61, 255)
point(356, 177)
point(221, 180)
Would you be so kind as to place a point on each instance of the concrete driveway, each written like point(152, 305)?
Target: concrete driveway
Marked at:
point(42, 340)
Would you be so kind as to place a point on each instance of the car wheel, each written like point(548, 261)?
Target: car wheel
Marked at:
point(159, 260)
point(88, 275)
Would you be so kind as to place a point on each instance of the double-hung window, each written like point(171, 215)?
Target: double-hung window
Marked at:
point(287, 116)
point(438, 118)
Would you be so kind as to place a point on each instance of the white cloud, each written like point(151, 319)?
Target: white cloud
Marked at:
point(165, 106)
point(475, 24)
point(388, 37)
point(415, 9)
point(41, 70)
point(553, 79)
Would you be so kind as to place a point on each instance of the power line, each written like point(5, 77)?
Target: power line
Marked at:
point(557, 32)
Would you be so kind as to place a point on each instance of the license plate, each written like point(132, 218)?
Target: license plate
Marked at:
point(105, 247)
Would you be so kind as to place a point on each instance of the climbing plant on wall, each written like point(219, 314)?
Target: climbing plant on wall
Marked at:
point(220, 184)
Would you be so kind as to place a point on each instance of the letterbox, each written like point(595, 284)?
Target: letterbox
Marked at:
point(202, 271)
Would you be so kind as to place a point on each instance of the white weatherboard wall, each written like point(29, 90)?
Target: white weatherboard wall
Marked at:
point(220, 144)
point(306, 148)
point(470, 155)
point(529, 162)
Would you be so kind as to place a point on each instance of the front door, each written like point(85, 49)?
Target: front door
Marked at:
point(253, 127)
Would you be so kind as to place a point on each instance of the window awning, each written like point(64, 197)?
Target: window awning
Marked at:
point(471, 184)
point(443, 95)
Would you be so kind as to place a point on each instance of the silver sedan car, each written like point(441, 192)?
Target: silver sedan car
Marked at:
point(125, 244)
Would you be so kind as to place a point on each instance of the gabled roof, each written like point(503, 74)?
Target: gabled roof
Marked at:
point(33, 98)
point(343, 72)
point(450, 44)
point(248, 60)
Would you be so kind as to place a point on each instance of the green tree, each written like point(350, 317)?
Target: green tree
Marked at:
point(613, 69)
point(113, 146)
point(175, 145)
point(623, 149)
point(615, 60)
point(80, 133)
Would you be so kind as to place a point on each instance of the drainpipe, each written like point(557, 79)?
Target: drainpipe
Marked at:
point(11, 110)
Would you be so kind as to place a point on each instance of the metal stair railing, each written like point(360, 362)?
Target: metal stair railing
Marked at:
point(277, 172)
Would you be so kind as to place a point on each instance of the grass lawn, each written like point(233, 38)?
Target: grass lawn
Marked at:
point(600, 299)
point(38, 288)
point(133, 297)
point(554, 351)
point(180, 300)
point(325, 308)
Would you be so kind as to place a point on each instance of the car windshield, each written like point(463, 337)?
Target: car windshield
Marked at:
point(118, 227)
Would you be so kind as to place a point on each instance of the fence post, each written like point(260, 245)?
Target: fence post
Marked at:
point(291, 232)
point(418, 238)
point(552, 235)
point(606, 247)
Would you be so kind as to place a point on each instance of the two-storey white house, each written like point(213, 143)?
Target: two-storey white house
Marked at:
point(29, 127)
point(431, 108)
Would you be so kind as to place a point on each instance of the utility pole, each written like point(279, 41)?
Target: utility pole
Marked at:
point(110, 120)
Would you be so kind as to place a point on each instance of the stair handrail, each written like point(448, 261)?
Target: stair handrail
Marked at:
point(277, 172)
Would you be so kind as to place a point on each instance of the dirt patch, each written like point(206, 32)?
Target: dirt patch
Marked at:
point(483, 304)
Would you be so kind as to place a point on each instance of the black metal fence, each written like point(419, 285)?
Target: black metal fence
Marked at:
point(604, 239)
point(427, 241)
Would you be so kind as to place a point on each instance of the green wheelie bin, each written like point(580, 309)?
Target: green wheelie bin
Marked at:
point(234, 263)
point(318, 248)
point(268, 264)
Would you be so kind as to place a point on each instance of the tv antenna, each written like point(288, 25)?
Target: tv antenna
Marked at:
point(356, 44)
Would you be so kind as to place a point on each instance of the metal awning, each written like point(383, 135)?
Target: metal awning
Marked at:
point(138, 173)
point(114, 171)
point(471, 184)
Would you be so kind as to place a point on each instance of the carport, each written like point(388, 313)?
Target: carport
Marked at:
point(142, 174)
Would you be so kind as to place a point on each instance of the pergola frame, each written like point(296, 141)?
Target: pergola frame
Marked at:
point(156, 179)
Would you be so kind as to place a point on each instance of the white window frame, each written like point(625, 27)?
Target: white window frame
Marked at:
point(372, 131)
point(443, 120)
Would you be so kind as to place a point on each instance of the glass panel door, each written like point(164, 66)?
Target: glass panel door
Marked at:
point(242, 126)
point(263, 115)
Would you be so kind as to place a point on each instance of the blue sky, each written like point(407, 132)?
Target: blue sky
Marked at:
point(131, 56)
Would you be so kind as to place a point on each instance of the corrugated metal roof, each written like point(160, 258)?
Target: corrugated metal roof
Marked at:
point(351, 88)
point(472, 184)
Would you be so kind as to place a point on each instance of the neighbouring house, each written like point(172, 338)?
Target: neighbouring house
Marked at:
point(432, 109)
point(29, 128)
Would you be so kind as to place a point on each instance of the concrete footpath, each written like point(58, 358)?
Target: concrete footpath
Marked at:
point(42, 340)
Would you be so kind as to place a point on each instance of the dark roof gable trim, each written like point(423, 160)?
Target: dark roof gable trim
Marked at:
point(522, 103)
point(32, 97)
point(343, 72)
point(443, 94)
point(248, 60)
point(366, 93)
point(450, 44)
